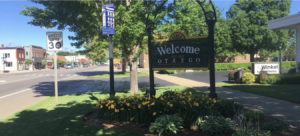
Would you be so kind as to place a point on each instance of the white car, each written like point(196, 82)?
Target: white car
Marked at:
point(106, 64)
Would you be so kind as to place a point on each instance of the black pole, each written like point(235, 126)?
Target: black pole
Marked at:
point(279, 60)
point(212, 93)
point(111, 68)
point(151, 75)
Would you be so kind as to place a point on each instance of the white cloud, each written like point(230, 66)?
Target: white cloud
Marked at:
point(11, 44)
point(69, 49)
point(44, 28)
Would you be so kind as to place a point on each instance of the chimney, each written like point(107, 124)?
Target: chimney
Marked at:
point(2, 45)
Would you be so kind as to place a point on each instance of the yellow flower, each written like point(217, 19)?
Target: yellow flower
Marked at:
point(112, 106)
point(154, 113)
point(152, 103)
point(190, 92)
point(128, 104)
point(116, 110)
point(128, 109)
point(122, 109)
point(101, 106)
point(215, 101)
point(139, 106)
point(161, 98)
point(155, 96)
point(160, 112)
point(171, 105)
point(97, 104)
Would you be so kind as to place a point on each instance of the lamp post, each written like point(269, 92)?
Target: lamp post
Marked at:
point(280, 46)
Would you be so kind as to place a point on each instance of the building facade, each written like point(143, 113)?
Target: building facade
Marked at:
point(14, 58)
point(37, 54)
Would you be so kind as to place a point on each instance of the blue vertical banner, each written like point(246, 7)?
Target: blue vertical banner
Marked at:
point(108, 19)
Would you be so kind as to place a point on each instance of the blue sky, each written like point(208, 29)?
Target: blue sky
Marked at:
point(14, 30)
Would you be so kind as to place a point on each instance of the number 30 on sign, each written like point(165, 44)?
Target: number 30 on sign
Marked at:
point(54, 41)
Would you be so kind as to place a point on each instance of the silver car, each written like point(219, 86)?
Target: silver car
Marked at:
point(69, 66)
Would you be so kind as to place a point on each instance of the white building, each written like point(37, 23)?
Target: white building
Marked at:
point(14, 58)
point(27, 52)
point(289, 22)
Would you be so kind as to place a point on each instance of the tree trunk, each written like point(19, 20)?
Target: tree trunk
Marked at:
point(133, 72)
point(123, 65)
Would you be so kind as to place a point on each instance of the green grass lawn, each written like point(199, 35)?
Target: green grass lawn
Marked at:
point(65, 119)
point(118, 74)
point(284, 92)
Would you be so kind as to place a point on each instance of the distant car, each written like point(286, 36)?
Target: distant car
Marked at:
point(69, 66)
point(57, 66)
point(85, 65)
point(106, 63)
point(75, 65)
point(277, 58)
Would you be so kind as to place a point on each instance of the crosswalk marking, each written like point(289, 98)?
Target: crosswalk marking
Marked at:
point(47, 74)
point(61, 74)
point(33, 75)
point(68, 75)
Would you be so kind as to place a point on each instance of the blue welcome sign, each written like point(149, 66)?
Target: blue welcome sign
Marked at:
point(108, 19)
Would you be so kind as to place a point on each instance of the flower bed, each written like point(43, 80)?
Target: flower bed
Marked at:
point(5, 71)
point(140, 108)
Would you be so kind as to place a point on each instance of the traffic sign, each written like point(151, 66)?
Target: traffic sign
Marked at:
point(54, 41)
point(108, 19)
point(3, 58)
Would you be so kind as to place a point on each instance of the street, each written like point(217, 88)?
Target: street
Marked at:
point(18, 90)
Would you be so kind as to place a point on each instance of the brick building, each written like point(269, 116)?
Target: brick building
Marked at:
point(38, 54)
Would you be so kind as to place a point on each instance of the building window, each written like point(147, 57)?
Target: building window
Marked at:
point(9, 64)
point(26, 53)
point(22, 55)
point(7, 55)
point(19, 55)
point(244, 57)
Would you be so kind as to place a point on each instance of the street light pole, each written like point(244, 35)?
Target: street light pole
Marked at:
point(280, 46)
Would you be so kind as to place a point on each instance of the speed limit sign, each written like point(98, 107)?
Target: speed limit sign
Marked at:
point(54, 41)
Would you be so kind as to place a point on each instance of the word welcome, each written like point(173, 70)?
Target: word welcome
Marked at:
point(178, 49)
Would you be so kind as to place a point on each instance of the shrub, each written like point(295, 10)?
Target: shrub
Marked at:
point(171, 123)
point(283, 79)
point(236, 75)
point(231, 74)
point(248, 78)
point(262, 76)
point(216, 125)
point(141, 108)
point(227, 107)
point(244, 128)
point(275, 125)
point(292, 71)
point(254, 115)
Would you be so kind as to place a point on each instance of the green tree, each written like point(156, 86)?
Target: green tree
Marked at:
point(44, 62)
point(28, 61)
point(290, 52)
point(249, 29)
point(84, 19)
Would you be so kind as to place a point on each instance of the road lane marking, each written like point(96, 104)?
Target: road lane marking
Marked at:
point(47, 74)
point(20, 80)
point(66, 78)
point(2, 81)
point(68, 75)
point(33, 75)
point(61, 74)
point(14, 93)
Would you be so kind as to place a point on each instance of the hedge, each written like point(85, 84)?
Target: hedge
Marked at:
point(247, 66)
point(282, 79)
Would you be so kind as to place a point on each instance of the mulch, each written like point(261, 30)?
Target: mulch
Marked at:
point(92, 120)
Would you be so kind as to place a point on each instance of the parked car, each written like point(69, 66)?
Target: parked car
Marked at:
point(277, 58)
point(106, 64)
point(85, 65)
point(68, 66)
point(75, 65)
point(57, 66)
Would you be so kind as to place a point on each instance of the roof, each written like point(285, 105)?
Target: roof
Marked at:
point(58, 56)
point(288, 22)
point(3, 48)
point(36, 46)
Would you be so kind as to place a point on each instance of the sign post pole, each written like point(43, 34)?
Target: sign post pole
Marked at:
point(108, 28)
point(55, 77)
point(54, 41)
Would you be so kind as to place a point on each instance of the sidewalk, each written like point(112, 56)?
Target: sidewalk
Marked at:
point(22, 71)
point(279, 109)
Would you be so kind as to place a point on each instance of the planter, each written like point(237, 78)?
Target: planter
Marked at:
point(5, 71)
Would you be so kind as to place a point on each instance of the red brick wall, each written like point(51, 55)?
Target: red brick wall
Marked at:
point(20, 51)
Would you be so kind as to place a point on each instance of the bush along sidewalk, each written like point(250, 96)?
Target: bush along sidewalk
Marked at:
point(247, 66)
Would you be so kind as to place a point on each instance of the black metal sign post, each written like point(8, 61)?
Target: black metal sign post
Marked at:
point(151, 74)
point(111, 68)
point(210, 19)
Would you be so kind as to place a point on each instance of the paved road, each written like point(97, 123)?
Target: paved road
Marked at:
point(18, 90)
